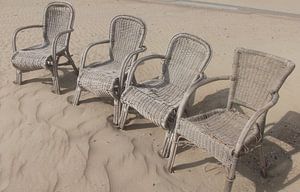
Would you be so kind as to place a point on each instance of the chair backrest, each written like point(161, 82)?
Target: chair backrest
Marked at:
point(256, 76)
point(187, 56)
point(127, 34)
point(59, 16)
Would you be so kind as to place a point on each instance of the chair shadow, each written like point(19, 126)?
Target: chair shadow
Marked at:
point(195, 163)
point(136, 126)
point(67, 80)
point(282, 141)
point(210, 102)
point(130, 127)
point(285, 132)
point(106, 100)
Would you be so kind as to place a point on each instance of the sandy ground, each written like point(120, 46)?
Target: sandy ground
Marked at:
point(47, 145)
point(290, 6)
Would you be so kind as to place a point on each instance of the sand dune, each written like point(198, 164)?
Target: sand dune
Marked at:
point(47, 145)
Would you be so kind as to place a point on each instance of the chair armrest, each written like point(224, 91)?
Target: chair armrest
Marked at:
point(201, 81)
point(14, 40)
point(84, 54)
point(125, 64)
point(138, 62)
point(253, 120)
point(55, 40)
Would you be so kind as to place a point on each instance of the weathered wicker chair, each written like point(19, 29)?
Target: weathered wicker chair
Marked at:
point(127, 34)
point(158, 99)
point(57, 27)
point(228, 133)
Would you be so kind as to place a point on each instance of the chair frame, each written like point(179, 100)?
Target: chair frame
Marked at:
point(131, 80)
point(125, 63)
point(259, 116)
point(55, 55)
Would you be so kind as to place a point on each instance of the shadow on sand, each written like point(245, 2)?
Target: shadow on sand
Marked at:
point(67, 80)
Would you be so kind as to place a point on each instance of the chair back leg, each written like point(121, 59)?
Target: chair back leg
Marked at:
point(165, 151)
point(18, 80)
point(231, 175)
point(123, 115)
point(76, 95)
point(54, 71)
point(173, 150)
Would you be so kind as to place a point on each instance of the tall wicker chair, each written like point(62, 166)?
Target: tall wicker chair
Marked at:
point(158, 99)
point(126, 38)
point(228, 133)
point(57, 27)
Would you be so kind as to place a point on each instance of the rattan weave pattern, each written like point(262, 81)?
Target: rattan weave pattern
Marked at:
point(126, 36)
point(107, 74)
point(57, 18)
point(57, 27)
point(228, 133)
point(217, 131)
point(186, 57)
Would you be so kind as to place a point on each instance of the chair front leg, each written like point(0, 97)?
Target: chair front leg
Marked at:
point(123, 115)
point(77, 95)
point(231, 175)
point(18, 80)
point(55, 78)
point(173, 150)
point(167, 144)
point(116, 116)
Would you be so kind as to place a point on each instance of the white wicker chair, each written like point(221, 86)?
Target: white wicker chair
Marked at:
point(228, 133)
point(127, 34)
point(158, 99)
point(57, 28)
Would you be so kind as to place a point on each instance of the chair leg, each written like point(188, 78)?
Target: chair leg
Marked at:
point(18, 77)
point(123, 116)
point(173, 150)
point(166, 145)
point(231, 175)
point(76, 95)
point(116, 112)
point(72, 63)
point(263, 162)
point(56, 87)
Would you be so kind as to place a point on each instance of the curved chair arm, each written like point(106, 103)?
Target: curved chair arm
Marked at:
point(14, 40)
point(84, 54)
point(138, 62)
point(125, 63)
point(252, 121)
point(201, 81)
point(55, 40)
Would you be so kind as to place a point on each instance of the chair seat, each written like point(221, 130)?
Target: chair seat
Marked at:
point(153, 99)
point(217, 132)
point(100, 78)
point(33, 58)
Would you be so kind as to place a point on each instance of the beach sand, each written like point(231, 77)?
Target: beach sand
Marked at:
point(47, 145)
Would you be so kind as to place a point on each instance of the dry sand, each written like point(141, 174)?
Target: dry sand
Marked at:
point(47, 145)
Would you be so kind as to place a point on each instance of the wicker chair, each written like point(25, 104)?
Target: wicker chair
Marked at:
point(158, 99)
point(57, 27)
point(228, 133)
point(127, 34)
